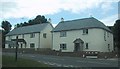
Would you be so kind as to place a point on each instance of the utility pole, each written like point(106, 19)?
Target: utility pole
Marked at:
point(16, 55)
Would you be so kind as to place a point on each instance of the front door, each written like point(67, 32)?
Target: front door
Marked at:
point(77, 47)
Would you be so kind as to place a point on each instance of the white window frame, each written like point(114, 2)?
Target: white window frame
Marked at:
point(44, 35)
point(85, 31)
point(105, 35)
point(63, 34)
point(22, 35)
point(32, 35)
point(108, 34)
point(63, 46)
point(32, 44)
point(86, 46)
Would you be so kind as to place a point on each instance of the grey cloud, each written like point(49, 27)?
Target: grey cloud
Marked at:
point(7, 6)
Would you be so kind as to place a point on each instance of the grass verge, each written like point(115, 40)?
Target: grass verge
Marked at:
point(9, 61)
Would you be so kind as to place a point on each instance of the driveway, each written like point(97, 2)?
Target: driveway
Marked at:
point(60, 61)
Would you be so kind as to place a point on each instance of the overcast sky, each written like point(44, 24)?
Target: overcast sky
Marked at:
point(17, 11)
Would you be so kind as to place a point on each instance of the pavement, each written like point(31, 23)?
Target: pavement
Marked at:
point(63, 61)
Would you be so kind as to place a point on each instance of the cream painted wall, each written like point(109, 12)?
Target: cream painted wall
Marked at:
point(46, 42)
point(26, 38)
point(94, 38)
point(38, 40)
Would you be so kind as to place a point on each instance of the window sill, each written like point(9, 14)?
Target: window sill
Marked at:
point(84, 34)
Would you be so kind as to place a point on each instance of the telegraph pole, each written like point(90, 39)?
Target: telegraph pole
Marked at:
point(16, 55)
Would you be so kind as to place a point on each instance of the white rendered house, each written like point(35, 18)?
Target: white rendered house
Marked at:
point(87, 34)
point(33, 36)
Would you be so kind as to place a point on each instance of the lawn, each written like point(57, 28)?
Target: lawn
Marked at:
point(9, 61)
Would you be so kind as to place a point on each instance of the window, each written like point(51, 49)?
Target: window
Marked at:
point(62, 34)
point(32, 45)
point(32, 35)
point(9, 37)
point(63, 46)
point(85, 31)
point(23, 36)
point(44, 35)
point(9, 45)
point(105, 35)
point(86, 45)
point(109, 47)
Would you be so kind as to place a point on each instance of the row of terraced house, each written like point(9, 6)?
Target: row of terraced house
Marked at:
point(87, 34)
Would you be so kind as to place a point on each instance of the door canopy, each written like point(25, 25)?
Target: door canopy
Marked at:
point(19, 40)
point(78, 41)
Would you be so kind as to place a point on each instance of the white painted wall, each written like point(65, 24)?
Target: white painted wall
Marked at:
point(46, 42)
point(38, 40)
point(94, 38)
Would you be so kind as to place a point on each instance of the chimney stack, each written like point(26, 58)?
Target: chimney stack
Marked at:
point(49, 20)
point(62, 19)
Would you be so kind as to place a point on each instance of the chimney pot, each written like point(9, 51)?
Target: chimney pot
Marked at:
point(62, 19)
point(49, 20)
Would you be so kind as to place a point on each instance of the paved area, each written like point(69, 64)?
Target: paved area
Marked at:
point(60, 61)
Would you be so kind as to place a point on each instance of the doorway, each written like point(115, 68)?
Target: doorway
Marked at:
point(77, 47)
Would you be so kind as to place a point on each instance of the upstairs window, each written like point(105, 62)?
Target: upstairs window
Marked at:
point(23, 36)
point(63, 34)
point(63, 46)
point(105, 35)
point(32, 35)
point(85, 31)
point(44, 35)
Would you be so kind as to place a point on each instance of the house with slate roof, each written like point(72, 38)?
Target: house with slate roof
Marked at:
point(33, 36)
point(87, 34)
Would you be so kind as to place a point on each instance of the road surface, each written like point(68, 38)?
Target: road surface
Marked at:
point(63, 61)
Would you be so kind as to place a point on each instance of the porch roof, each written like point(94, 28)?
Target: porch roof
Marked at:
point(78, 41)
point(19, 40)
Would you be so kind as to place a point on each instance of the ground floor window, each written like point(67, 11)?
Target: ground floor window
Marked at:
point(86, 46)
point(63, 46)
point(109, 47)
point(9, 45)
point(32, 45)
point(21, 45)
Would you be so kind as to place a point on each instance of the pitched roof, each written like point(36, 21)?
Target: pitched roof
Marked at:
point(80, 24)
point(28, 29)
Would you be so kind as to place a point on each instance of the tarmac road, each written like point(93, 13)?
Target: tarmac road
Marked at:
point(63, 61)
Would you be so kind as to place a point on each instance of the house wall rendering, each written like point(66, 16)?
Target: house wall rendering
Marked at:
point(40, 39)
point(87, 34)
point(94, 38)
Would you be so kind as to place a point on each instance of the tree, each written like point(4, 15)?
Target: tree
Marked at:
point(25, 24)
point(117, 33)
point(6, 26)
point(37, 20)
point(3, 39)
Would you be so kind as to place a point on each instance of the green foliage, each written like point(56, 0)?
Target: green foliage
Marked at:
point(9, 61)
point(117, 33)
point(6, 26)
point(38, 20)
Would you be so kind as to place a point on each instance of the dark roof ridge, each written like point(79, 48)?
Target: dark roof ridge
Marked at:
point(30, 25)
point(77, 19)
